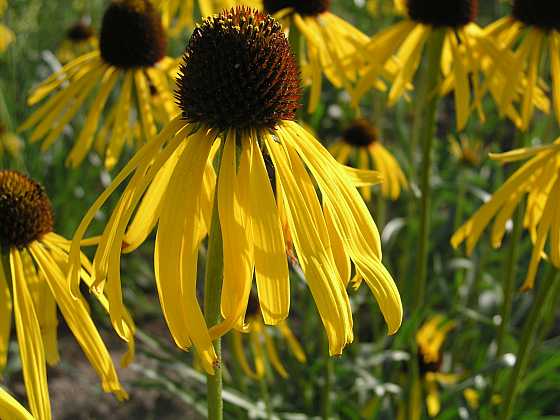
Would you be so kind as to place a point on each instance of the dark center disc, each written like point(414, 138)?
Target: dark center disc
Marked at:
point(544, 14)
point(360, 133)
point(79, 32)
point(451, 13)
point(238, 72)
point(132, 34)
point(25, 210)
point(302, 7)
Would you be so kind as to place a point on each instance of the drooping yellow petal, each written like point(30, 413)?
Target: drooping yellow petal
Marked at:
point(77, 317)
point(10, 409)
point(144, 153)
point(85, 139)
point(551, 208)
point(351, 219)
point(341, 258)
point(310, 237)
point(177, 247)
point(144, 107)
point(233, 208)
point(239, 352)
point(271, 264)
point(473, 228)
point(121, 125)
point(148, 211)
point(31, 349)
point(554, 47)
point(272, 352)
point(5, 317)
point(409, 55)
point(293, 343)
point(45, 308)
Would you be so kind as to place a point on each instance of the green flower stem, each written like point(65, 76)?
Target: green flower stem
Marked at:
point(212, 293)
point(328, 366)
point(265, 394)
point(426, 116)
point(527, 340)
point(509, 280)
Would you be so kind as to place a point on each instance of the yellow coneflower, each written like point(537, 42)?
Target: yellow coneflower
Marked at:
point(6, 35)
point(532, 32)
point(538, 178)
point(177, 15)
point(239, 87)
point(11, 409)
point(361, 139)
point(131, 54)
point(430, 339)
point(329, 41)
point(80, 39)
point(262, 344)
point(33, 285)
point(402, 45)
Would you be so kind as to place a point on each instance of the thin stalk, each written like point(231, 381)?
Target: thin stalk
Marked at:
point(527, 340)
point(326, 397)
point(457, 220)
point(265, 394)
point(509, 280)
point(212, 293)
point(427, 96)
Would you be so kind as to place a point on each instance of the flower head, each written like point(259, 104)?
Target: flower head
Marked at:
point(430, 338)
point(33, 285)
point(538, 13)
point(360, 142)
point(224, 81)
point(450, 13)
point(523, 42)
point(395, 53)
point(173, 186)
point(328, 39)
point(80, 39)
point(130, 59)
point(132, 34)
point(539, 180)
point(25, 210)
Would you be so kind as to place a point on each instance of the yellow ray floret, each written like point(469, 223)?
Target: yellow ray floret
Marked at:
point(172, 186)
point(38, 283)
point(539, 180)
point(11, 409)
point(395, 54)
point(107, 126)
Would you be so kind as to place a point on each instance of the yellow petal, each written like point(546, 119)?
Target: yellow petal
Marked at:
point(5, 317)
point(177, 247)
point(310, 237)
point(271, 264)
point(77, 318)
point(352, 219)
point(233, 207)
point(10, 409)
point(30, 343)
